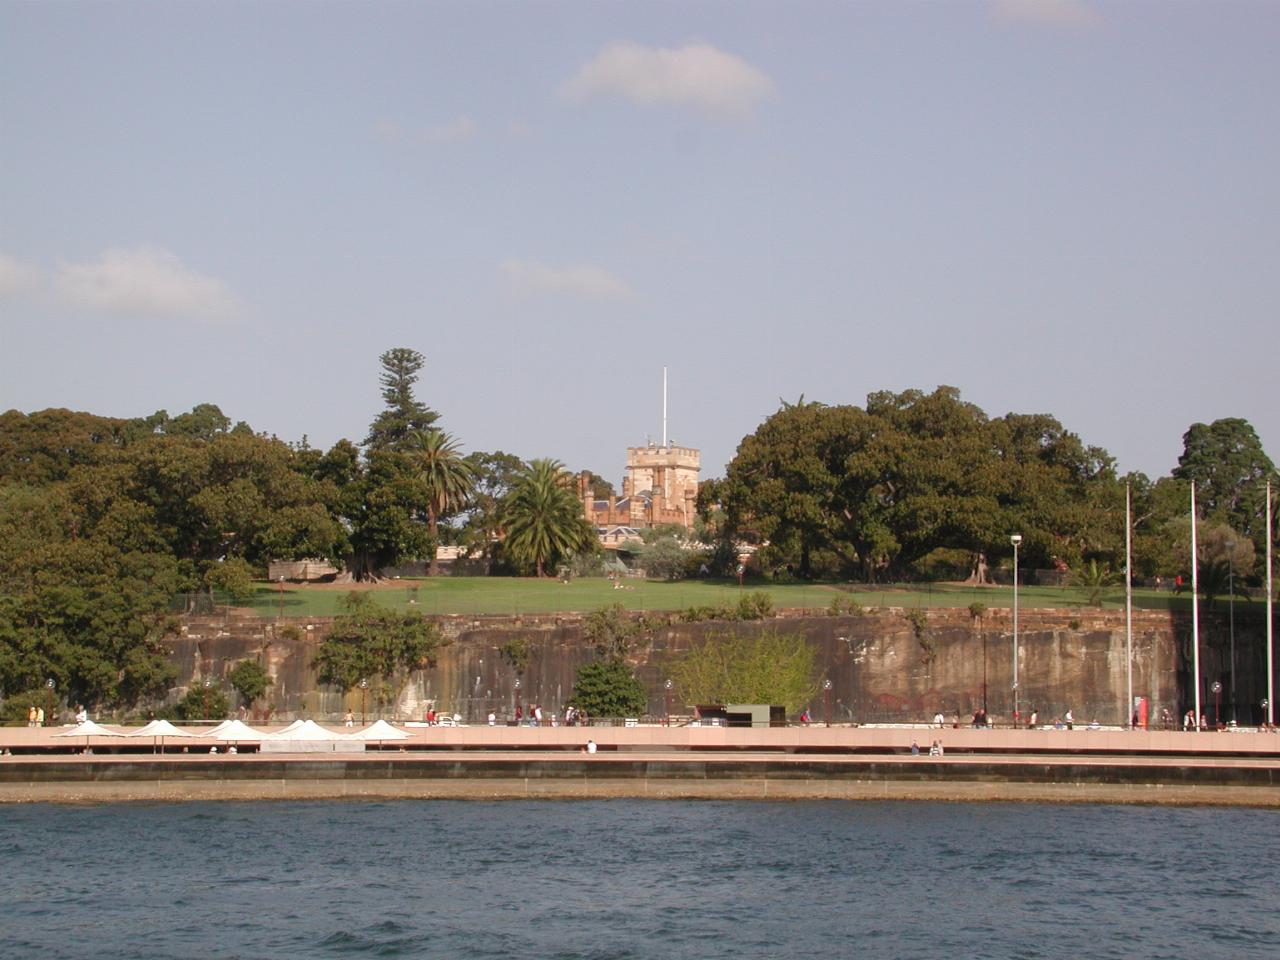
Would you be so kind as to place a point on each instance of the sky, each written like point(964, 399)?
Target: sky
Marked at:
point(1057, 206)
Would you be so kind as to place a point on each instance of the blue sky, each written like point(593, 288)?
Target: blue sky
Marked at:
point(1059, 206)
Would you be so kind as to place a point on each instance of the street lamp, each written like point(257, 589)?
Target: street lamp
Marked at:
point(1016, 540)
point(826, 699)
point(1217, 703)
point(207, 684)
point(668, 685)
point(1231, 619)
point(517, 687)
point(50, 686)
point(364, 690)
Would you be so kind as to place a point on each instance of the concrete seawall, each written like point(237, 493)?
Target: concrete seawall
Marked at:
point(490, 775)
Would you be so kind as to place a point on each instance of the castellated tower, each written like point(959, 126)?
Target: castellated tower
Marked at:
point(670, 473)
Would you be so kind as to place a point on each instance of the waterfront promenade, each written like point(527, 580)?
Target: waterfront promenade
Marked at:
point(485, 762)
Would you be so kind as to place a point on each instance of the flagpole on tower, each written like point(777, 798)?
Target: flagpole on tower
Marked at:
point(664, 407)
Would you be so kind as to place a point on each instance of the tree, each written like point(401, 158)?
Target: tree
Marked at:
point(1093, 580)
point(403, 416)
point(250, 680)
point(494, 474)
point(447, 480)
point(1226, 462)
point(771, 667)
point(608, 688)
point(370, 642)
point(543, 518)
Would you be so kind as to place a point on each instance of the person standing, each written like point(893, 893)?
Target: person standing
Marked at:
point(31, 716)
point(1070, 718)
point(1035, 716)
point(349, 719)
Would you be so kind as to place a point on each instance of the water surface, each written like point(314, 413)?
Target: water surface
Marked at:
point(636, 879)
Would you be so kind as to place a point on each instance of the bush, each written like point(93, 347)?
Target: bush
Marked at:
point(608, 688)
point(756, 605)
point(234, 577)
point(774, 668)
point(977, 610)
point(198, 704)
point(249, 680)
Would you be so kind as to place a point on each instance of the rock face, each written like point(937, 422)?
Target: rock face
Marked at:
point(884, 665)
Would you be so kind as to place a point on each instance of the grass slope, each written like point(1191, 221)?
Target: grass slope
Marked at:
point(516, 596)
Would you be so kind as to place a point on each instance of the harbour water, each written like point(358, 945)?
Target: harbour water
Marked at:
point(637, 879)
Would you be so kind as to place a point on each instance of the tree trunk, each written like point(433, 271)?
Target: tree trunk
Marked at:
point(979, 573)
point(359, 569)
point(433, 567)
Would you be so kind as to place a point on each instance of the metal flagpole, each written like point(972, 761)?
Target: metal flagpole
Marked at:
point(1128, 596)
point(664, 408)
point(1195, 608)
point(1271, 696)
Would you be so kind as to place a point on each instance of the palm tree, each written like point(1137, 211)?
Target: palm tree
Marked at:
point(543, 517)
point(1094, 579)
point(447, 480)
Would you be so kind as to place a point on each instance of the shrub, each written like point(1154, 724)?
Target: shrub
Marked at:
point(756, 605)
point(249, 680)
point(608, 688)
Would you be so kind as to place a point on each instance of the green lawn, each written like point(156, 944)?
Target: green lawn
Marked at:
point(514, 596)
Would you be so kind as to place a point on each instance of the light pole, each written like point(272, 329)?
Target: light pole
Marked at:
point(1216, 687)
point(364, 690)
point(668, 685)
point(1016, 540)
point(50, 686)
point(207, 684)
point(1231, 620)
point(517, 688)
point(826, 699)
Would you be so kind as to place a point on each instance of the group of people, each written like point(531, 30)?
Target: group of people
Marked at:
point(935, 749)
point(35, 716)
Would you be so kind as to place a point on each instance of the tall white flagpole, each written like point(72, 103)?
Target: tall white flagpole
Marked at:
point(1195, 607)
point(1271, 694)
point(1128, 597)
point(664, 407)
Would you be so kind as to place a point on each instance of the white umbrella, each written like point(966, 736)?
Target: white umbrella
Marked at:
point(162, 728)
point(89, 729)
point(158, 730)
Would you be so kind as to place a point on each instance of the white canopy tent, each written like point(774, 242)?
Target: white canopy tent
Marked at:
point(380, 730)
point(236, 731)
point(307, 736)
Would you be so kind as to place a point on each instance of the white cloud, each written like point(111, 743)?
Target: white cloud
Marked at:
point(16, 277)
point(144, 281)
point(582, 280)
point(697, 75)
point(1057, 13)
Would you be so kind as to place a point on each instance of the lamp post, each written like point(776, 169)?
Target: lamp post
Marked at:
point(1231, 620)
point(364, 690)
point(667, 721)
point(49, 685)
point(517, 688)
point(207, 684)
point(826, 699)
point(1016, 540)
point(1265, 703)
point(1216, 687)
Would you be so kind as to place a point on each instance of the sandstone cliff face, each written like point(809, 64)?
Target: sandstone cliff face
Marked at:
point(880, 668)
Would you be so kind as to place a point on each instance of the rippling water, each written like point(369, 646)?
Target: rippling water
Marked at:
point(633, 878)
